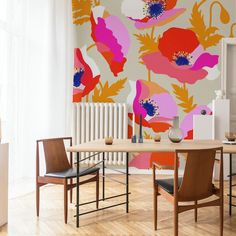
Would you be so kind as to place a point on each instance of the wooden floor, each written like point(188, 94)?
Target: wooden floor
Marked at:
point(23, 220)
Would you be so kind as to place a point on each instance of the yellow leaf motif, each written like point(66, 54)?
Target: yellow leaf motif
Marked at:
point(182, 94)
point(198, 24)
point(81, 21)
point(81, 11)
point(147, 135)
point(148, 44)
point(213, 40)
point(107, 91)
point(211, 30)
point(207, 36)
point(96, 92)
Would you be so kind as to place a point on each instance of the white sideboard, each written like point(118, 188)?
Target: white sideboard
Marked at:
point(3, 183)
point(203, 127)
point(221, 112)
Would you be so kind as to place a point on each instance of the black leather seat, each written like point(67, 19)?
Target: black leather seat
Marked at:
point(168, 184)
point(70, 173)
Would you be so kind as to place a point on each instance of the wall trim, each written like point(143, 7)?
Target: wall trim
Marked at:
point(224, 44)
point(135, 171)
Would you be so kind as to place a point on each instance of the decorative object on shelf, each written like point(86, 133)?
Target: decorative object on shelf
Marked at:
point(140, 140)
point(134, 138)
point(157, 138)
point(109, 140)
point(230, 136)
point(175, 133)
point(219, 94)
point(203, 112)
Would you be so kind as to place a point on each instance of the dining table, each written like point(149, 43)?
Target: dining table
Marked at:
point(148, 145)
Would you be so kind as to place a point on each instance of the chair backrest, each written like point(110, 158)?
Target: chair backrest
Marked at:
point(55, 154)
point(197, 179)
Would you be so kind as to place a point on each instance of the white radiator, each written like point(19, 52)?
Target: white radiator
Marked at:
point(96, 121)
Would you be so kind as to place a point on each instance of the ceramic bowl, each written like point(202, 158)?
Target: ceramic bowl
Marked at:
point(109, 140)
point(157, 138)
point(230, 136)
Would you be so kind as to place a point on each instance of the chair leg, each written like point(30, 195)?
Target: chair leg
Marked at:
point(221, 218)
point(71, 190)
point(155, 199)
point(97, 190)
point(65, 201)
point(176, 221)
point(37, 198)
point(195, 211)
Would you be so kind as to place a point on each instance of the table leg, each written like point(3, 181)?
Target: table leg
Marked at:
point(230, 184)
point(103, 176)
point(127, 182)
point(77, 191)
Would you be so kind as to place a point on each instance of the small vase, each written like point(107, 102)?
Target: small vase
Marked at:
point(175, 133)
point(140, 140)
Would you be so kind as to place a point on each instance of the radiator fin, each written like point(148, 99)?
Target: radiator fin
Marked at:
point(96, 121)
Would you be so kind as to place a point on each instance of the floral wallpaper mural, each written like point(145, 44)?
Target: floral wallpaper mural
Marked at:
point(160, 56)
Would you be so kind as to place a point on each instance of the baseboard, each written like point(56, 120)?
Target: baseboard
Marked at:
point(135, 171)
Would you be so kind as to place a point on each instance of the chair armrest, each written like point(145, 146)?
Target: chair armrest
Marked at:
point(162, 167)
point(159, 167)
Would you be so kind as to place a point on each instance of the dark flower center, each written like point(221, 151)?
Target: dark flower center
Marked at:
point(150, 106)
point(182, 58)
point(77, 77)
point(155, 8)
point(181, 61)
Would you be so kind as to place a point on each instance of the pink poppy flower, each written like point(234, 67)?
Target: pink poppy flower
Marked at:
point(155, 104)
point(180, 56)
point(148, 13)
point(187, 123)
point(86, 74)
point(144, 160)
point(111, 38)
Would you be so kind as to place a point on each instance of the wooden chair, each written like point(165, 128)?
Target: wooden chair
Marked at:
point(60, 171)
point(195, 185)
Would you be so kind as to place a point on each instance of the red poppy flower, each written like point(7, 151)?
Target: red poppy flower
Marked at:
point(111, 38)
point(181, 56)
point(86, 74)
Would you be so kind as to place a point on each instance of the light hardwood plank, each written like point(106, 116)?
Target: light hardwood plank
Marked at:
point(23, 220)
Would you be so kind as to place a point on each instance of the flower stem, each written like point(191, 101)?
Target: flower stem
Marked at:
point(100, 83)
point(97, 2)
point(152, 32)
point(211, 11)
point(232, 30)
point(91, 46)
point(202, 2)
point(149, 75)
